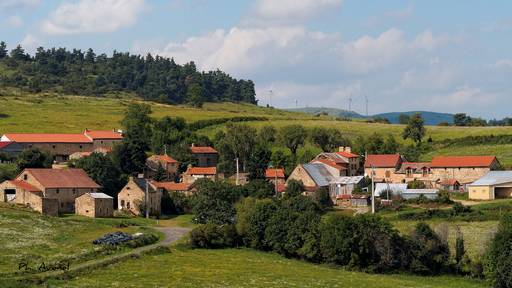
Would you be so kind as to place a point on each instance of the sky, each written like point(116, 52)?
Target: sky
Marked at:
point(437, 55)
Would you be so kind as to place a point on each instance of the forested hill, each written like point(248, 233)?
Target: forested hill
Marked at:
point(150, 77)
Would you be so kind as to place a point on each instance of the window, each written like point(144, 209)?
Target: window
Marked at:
point(61, 205)
point(80, 146)
point(74, 190)
point(25, 176)
point(128, 205)
point(101, 141)
point(388, 174)
point(122, 203)
point(53, 146)
point(57, 191)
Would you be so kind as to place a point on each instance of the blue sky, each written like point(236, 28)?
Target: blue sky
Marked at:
point(446, 56)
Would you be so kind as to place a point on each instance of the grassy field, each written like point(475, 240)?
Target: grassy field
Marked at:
point(26, 235)
point(243, 268)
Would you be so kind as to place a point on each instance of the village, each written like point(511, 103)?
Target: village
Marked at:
point(349, 178)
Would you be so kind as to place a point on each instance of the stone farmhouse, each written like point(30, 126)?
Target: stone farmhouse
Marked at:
point(61, 146)
point(95, 205)
point(48, 191)
point(383, 167)
point(275, 176)
point(194, 173)
point(132, 197)
point(204, 156)
point(463, 169)
point(347, 163)
point(173, 187)
point(313, 176)
point(166, 162)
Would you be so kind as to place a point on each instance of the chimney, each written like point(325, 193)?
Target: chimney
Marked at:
point(193, 145)
point(348, 149)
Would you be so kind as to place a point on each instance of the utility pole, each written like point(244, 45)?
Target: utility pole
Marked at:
point(270, 96)
point(237, 172)
point(366, 101)
point(373, 191)
point(275, 184)
point(147, 198)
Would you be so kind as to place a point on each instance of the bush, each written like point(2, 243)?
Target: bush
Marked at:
point(213, 236)
point(499, 256)
point(294, 188)
point(322, 198)
point(143, 240)
point(214, 202)
point(429, 253)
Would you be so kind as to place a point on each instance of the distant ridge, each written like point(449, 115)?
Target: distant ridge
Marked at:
point(431, 118)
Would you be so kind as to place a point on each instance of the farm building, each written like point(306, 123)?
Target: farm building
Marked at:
point(344, 186)
point(344, 160)
point(204, 156)
point(173, 187)
point(10, 149)
point(194, 173)
point(494, 185)
point(95, 205)
point(464, 169)
point(169, 165)
point(275, 176)
point(313, 176)
point(383, 167)
point(132, 197)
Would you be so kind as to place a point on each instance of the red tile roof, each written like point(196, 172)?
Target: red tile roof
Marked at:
point(173, 186)
point(24, 185)
point(330, 163)
point(61, 178)
point(347, 154)
point(47, 138)
point(382, 161)
point(462, 161)
point(201, 171)
point(103, 134)
point(450, 182)
point(5, 144)
point(272, 173)
point(202, 150)
point(163, 158)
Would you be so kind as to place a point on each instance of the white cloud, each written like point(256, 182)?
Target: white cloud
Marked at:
point(464, 96)
point(30, 43)
point(17, 4)
point(13, 21)
point(401, 14)
point(503, 63)
point(92, 16)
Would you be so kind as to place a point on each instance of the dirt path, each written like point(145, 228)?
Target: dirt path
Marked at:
point(171, 235)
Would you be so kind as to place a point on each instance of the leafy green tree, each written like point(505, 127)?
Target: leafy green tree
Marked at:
point(390, 146)
point(214, 202)
point(322, 198)
point(260, 189)
point(268, 135)
point(499, 255)
point(293, 136)
point(103, 171)
point(33, 158)
point(461, 119)
point(160, 173)
point(460, 251)
point(258, 161)
point(430, 254)
point(415, 129)
point(239, 141)
point(259, 218)
point(18, 54)
point(195, 95)
point(294, 188)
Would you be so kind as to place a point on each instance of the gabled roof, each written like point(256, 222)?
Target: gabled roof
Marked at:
point(273, 173)
point(162, 158)
point(141, 183)
point(24, 185)
point(347, 154)
point(319, 174)
point(201, 171)
point(329, 163)
point(202, 150)
point(46, 138)
point(173, 186)
point(462, 161)
point(335, 157)
point(494, 178)
point(61, 178)
point(382, 160)
point(103, 134)
point(449, 182)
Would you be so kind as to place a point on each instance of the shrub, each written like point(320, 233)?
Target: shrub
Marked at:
point(498, 258)
point(429, 254)
point(322, 198)
point(214, 202)
point(213, 236)
point(143, 240)
point(294, 188)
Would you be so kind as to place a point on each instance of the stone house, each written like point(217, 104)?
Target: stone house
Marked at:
point(275, 176)
point(132, 197)
point(95, 205)
point(204, 156)
point(165, 161)
point(42, 188)
point(344, 160)
point(383, 167)
point(414, 171)
point(313, 176)
point(173, 187)
point(194, 173)
point(104, 138)
point(463, 169)
point(493, 185)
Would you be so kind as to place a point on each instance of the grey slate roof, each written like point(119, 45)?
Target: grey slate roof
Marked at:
point(141, 182)
point(494, 178)
point(319, 174)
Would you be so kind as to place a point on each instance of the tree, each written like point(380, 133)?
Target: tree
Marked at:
point(268, 134)
point(460, 251)
point(415, 129)
point(322, 198)
point(328, 139)
point(461, 119)
point(293, 136)
point(499, 255)
point(430, 254)
point(258, 162)
point(3, 50)
point(239, 141)
point(103, 171)
point(195, 95)
point(160, 173)
point(403, 119)
point(214, 202)
point(294, 188)
point(390, 146)
point(33, 158)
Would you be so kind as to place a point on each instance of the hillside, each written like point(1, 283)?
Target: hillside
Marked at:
point(431, 118)
point(47, 112)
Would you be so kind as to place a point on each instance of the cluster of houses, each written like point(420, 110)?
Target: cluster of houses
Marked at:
point(65, 190)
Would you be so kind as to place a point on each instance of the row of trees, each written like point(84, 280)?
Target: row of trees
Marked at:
point(151, 77)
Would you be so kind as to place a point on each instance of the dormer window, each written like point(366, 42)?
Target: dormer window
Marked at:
point(25, 177)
